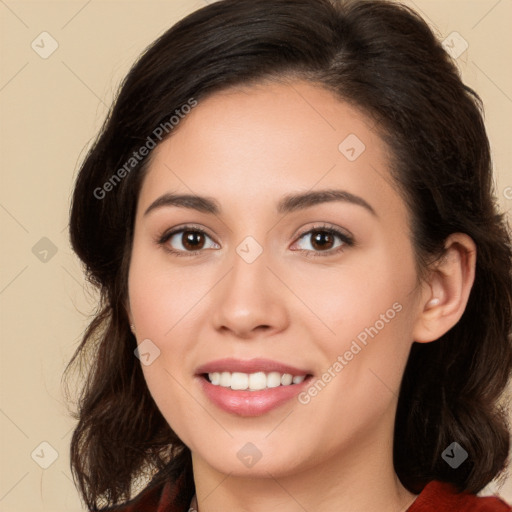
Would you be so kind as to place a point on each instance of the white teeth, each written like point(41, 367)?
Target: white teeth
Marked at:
point(239, 380)
point(286, 379)
point(257, 381)
point(225, 379)
point(254, 381)
point(273, 380)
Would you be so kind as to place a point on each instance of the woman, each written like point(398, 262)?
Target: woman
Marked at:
point(306, 287)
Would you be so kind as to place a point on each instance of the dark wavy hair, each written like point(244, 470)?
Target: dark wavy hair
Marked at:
point(382, 58)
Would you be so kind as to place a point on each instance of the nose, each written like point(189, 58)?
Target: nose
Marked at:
point(251, 300)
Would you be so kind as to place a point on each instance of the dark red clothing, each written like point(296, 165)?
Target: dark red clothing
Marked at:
point(442, 497)
point(435, 497)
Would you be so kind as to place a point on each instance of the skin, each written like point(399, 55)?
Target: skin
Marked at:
point(247, 147)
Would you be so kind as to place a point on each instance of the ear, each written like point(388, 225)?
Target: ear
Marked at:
point(445, 295)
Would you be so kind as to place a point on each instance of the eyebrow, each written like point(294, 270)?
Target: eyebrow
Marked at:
point(287, 204)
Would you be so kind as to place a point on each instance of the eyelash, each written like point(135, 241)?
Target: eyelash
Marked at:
point(324, 228)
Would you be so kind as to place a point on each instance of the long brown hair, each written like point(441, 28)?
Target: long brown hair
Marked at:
point(382, 58)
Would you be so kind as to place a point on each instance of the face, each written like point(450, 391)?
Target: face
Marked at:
point(260, 285)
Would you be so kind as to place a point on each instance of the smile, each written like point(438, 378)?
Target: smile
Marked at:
point(251, 387)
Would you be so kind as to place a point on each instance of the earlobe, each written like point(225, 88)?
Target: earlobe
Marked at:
point(447, 292)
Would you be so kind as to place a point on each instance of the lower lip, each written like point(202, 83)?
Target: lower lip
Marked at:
point(251, 403)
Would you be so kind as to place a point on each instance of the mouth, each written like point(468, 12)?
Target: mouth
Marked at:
point(251, 388)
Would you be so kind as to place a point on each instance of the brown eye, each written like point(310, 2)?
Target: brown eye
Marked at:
point(186, 241)
point(322, 241)
point(192, 240)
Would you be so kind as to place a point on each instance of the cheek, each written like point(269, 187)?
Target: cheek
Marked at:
point(161, 302)
point(353, 296)
point(173, 399)
point(366, 305)
point(162, 295)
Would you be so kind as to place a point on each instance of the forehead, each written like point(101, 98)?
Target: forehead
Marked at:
point(246, 144)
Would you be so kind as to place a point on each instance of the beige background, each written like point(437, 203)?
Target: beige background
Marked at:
point(50, 109)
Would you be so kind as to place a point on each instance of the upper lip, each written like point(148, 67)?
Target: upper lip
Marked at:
point(249, 366)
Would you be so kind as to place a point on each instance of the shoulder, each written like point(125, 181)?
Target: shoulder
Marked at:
point(164, 497)
point(443, 496)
